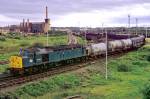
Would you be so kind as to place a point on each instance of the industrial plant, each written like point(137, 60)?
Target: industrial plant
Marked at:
point(26, 26)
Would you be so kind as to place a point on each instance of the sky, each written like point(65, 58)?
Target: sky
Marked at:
point(82, 13)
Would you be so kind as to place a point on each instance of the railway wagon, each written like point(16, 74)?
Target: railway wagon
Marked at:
point(97, 49)
point(119, 36)
point(47, 57)
point(138, 41)
point(116, 45)
point(127, 43)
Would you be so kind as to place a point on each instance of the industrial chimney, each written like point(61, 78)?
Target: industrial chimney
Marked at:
point(28, 25)
point(23, 25)
point(46, 12)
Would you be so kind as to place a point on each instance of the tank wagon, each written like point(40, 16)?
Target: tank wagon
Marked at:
point(37, 59)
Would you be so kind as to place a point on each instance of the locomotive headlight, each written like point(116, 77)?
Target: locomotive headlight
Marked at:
point(31, 60)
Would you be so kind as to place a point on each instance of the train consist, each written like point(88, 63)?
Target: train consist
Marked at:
point(38, 59)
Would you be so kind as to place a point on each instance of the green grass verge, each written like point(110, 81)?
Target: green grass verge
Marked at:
point(91, 84)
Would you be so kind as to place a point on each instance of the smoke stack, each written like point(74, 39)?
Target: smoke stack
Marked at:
point(23, 23)
point(27, 22)
point(46, 12)
point(28, 26)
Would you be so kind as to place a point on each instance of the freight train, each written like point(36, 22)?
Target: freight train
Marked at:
point(38, 59)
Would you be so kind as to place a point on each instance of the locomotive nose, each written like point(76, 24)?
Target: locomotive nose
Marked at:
point(15, 62)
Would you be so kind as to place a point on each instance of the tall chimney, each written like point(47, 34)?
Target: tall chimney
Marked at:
point(27, 22)
point(23, 23)
point(46, 12)
point(28, 26)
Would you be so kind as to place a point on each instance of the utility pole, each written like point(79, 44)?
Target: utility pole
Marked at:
point(146, 31)
point(85, 35)
point(137, 33)
point(106, 75)
point(136, 26)
point(102, 27)
point(129, 25)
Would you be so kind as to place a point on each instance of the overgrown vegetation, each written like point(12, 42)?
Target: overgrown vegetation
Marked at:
point(123, 68)
point(2, 38)
point(57, 33)
point(126, 79)
point(13, 41)
point(146, 91)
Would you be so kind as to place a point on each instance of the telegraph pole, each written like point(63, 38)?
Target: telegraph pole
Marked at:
point(102, 27)
point(146, 31)
point(85, 35)
point(136, 32)
point(136, 26)
point(129, 25)
point(106, 72)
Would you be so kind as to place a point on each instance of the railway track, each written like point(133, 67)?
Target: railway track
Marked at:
point(6, 82)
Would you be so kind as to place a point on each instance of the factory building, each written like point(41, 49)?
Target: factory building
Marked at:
point(35, 27)
point(29, 27)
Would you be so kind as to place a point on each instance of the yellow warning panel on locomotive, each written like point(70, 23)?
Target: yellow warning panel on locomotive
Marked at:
point(15, 62)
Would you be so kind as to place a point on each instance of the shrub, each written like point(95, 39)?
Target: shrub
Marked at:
point(37, 45)
point(123, 68)
point(16, 37)
point(8, 96)
point(56, 83)
point(24, 44)
point(146, 91)
point(2, 38)
point(1, 47)
point(148, 58)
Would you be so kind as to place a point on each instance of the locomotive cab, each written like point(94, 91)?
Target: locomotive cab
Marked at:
point(25, 59)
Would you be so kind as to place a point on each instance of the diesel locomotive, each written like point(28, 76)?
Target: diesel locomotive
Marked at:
point(38, 59)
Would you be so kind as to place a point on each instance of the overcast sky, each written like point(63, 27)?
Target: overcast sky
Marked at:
point(76, 12)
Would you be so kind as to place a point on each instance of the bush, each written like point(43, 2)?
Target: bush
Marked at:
point(57, 33)
point(37, 45)
point(16, 37)
point(2, 38)
point(146, 91)
point(24, 44)
point(53, 84)
point(123, 68)
point(148, 58)
point(13, 35)
point(1, 47)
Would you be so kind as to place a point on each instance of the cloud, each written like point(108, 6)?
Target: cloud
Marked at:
point(64, 12)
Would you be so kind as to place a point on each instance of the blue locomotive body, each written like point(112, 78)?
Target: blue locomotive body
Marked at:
point(37, 56)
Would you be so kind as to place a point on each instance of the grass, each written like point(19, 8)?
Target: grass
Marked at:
point(91, 84)
point(11, 46)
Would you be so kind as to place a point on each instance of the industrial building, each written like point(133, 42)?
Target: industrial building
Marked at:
point(31, 27)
